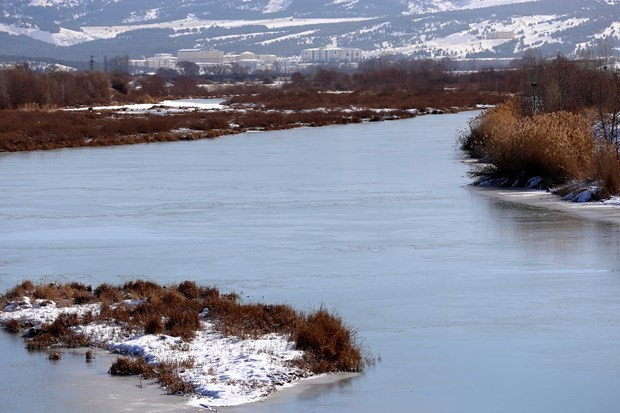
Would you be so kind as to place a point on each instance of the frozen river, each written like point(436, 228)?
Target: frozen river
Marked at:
point(473, 304)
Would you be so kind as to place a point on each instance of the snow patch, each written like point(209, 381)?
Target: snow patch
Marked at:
point(275, 6)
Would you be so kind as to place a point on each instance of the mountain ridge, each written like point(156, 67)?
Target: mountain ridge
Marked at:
point(422, 28)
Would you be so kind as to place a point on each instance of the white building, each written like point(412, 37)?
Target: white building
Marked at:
point(331, 54)
point(252, 61)
point(201, 56)
point(159, 61)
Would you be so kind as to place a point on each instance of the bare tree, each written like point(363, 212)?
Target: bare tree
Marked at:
point(189, 68)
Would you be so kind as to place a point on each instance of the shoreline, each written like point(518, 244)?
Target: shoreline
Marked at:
point(595, 210)
point(190, 339)
point(83, 383)
point(178, 121)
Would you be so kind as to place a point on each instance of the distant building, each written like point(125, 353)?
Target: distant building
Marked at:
point(159, 61)
point(209, 59)
point(331, 54)
point(501, 36)
point(201, 56)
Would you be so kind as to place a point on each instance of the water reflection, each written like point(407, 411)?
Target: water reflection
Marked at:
point(562, 236)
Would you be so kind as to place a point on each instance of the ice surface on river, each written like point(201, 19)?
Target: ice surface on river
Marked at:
point(474, 304)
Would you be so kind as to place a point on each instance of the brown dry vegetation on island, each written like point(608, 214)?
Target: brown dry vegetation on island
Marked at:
point(563, 129)
point(329, 345)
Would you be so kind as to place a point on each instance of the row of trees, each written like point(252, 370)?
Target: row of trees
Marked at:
point(412, 76)
point(21, 87)
point(575, 86)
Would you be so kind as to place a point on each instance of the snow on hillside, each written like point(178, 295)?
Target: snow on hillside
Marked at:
point(107, 32)
point(530, 31)
point(151, 14)
point(275, 6)
point(479, 4)
point(52, 3)
point(429, 6)
point(64, 37)
point(611, 31)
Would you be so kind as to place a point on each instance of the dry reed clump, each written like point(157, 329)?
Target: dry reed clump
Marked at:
point(233, 318)
point(65, 294)
point(58, 334)
point(607, 169)
point(168, 375)
point(54, 356)
point(131, 366)
point(329, 345)
point(13, 326)
point(558, 146)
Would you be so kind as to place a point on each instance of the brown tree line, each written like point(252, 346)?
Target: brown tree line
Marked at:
point(588, 86)
point(21, 87)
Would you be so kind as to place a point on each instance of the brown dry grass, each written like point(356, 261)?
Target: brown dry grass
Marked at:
point(607, 168)
point(13, 326)
point(45, 130)
point(558, 146)
point(65, 294)
point(169, 378)
point(329, 345)
point(58, 334)
point(388, 98)
point(131, 366)
point(166, 373)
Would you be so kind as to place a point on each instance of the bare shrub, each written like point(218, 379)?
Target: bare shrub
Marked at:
point(59, 333)
point(189, 289)
point(182, 323)
point(13, 326)
point(108, 294)
point(153, 325)
point(131, 366)
point(329, 345)
point(54, 356)
point(168, 376)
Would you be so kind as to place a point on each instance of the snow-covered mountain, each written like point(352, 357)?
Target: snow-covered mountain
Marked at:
point(455, 28)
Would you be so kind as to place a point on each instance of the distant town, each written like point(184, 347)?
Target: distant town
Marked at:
point(214, 61)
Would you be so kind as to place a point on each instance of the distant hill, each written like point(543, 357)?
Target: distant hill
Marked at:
point(76, 29)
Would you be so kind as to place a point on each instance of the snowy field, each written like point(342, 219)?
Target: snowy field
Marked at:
point(166, 106)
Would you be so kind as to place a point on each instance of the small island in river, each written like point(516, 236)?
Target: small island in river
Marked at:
point(191, 339)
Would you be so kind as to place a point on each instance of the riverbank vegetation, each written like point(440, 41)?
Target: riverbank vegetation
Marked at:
point(76, 315)
point(42, 130)
point(33, 116)
point(562, 129)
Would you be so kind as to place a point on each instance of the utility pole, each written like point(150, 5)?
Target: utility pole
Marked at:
point(535, 104)
point(92, 63)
